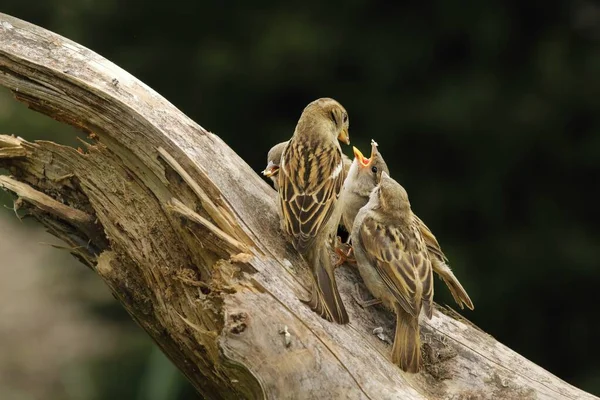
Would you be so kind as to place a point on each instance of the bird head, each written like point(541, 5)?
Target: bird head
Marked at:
point(391, 195)
point(333, 114)
point(274, 160)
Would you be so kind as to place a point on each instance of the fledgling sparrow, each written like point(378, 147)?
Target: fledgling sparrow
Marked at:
point(362, 179)
point(310, 179)
point(439, 261)
point(274, 158)
point(393, 261)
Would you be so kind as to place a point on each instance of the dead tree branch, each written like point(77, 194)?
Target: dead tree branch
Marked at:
point(197, 259)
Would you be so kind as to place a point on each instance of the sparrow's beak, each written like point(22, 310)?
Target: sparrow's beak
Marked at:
point(361, 159)
point(373, 149)
point(270, 170)
point(344, 136)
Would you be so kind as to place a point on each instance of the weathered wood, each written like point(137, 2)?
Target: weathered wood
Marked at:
point(197, 259)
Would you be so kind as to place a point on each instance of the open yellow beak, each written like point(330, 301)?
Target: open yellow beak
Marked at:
point(271, 169)
point(359, 156)
point(344, 136)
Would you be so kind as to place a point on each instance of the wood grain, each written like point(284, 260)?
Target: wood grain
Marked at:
point(168, 228)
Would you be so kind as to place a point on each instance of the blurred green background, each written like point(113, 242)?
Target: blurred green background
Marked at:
point(487, 112)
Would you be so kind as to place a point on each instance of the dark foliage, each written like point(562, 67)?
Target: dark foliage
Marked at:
point(487, 112)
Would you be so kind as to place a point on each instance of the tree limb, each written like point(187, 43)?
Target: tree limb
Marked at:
point(197, 258)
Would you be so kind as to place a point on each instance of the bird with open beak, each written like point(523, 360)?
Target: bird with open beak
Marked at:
point(362, 179)
point(273, 160)
point(393, 261)
point(310, 179)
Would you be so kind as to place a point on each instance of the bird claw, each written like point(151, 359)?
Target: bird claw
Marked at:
point(364, 303)
point(345, 253)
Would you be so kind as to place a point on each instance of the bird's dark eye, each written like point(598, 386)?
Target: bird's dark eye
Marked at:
point(345, 117)
point(374, 169)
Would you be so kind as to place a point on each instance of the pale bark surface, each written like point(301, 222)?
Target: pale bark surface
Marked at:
point(192, 249)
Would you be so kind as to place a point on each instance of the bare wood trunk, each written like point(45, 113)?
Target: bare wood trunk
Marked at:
point(196, 257)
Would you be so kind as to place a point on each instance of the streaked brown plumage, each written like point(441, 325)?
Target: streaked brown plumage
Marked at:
point(274, 158)
point(440, 265)
point(393, 261)
point(310, 180)
point(360, 182)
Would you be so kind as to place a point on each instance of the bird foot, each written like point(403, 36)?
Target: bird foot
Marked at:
point(345, 253)
point(364, 303)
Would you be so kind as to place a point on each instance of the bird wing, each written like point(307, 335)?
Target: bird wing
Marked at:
point(433, 247)
point(403, 266)
point(311, 176)
point(439, 263)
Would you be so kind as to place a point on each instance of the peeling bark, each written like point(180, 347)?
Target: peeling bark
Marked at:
point(197, 259)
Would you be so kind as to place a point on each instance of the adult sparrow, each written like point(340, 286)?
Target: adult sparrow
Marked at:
point(310, 179)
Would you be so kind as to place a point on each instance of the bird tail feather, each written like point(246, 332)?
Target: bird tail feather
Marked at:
point(406, 351)
point(456, 289)
point(325, 298)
